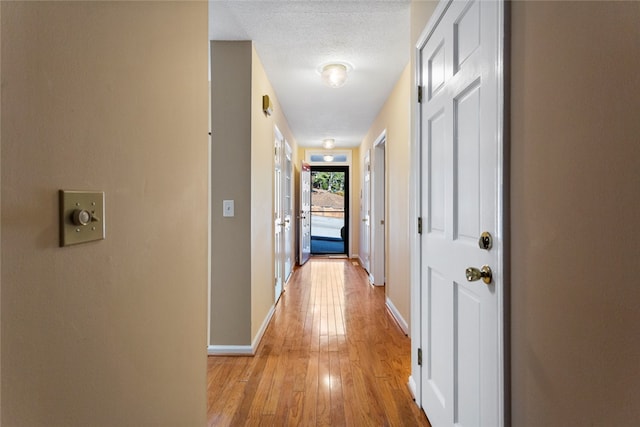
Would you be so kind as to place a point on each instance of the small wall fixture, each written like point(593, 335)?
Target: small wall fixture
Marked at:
point(267, 106)
point(335, 75)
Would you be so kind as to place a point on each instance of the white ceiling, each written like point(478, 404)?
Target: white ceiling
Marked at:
point(294, 38)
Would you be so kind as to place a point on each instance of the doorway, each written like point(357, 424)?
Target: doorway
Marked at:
point(283, 210)
point(365, 214)
point(378, 213)
point(329, 210)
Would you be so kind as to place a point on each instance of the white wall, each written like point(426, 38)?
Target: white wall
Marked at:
point(109, 96)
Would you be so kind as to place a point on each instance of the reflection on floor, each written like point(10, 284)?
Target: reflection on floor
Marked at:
point(331, 356)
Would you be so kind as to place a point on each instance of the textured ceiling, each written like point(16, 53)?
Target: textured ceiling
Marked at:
point(294, 38)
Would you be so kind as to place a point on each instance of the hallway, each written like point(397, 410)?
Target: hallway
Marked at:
point(332, 356)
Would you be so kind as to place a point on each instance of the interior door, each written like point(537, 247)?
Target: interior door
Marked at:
point(365, 215)
point(279, 219)
point(287, 210)
point(305, 213)
point(378, 214)
point(461, 185)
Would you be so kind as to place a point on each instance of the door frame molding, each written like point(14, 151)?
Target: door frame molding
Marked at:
point(503, 241)
point(327, 167)
point(377, 242)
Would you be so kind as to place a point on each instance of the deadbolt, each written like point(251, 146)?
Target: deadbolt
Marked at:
point(485, 241)
point(484, 273)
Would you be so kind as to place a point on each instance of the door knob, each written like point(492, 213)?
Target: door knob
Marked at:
point(474, 274)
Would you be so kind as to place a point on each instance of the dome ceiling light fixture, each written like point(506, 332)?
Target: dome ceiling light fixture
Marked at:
point(335, 74)
point(328, 143)
point(328, 158)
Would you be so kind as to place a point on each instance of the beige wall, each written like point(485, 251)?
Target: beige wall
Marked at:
point(575, 95)
point(108, 96)
point(394, 119)
point(0, 216)
point(262, 193)
point(231, 172)
point(421, 11)
point(242, 277)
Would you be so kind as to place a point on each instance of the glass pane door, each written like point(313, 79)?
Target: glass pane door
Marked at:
point(328, 210)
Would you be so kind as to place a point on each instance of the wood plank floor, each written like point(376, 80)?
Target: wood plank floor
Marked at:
point(331, 356)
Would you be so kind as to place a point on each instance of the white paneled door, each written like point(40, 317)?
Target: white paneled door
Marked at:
point(287, 210)
point(304, 228)
point(461, 122)
point(279, 214)
point(365, 214)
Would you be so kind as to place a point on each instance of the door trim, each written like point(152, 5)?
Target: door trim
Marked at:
point(503, 267)
point(378, 206)
point(347, 198)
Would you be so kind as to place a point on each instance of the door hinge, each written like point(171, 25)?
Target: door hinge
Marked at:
point(420, 94)
point(419, 225)
point(420, 356)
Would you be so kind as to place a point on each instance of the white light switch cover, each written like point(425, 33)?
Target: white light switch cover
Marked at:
point(228, 208)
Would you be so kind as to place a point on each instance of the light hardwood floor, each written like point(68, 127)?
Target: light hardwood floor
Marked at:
point(331, 356)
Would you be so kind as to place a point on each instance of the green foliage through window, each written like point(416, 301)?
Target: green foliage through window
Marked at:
point(329, 181)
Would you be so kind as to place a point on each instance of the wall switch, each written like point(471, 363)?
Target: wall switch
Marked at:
point(81, 216)
point(227, 208)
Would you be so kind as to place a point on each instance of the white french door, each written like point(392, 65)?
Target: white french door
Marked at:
point(287, 209)
point(304, 229)
point(279, 214)
point(461, 122)
point(365, 215)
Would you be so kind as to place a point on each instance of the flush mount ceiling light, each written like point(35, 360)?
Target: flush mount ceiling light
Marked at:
point(328, 143)
point(335, 74)
point(328, 158)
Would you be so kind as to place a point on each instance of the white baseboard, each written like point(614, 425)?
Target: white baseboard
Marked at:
point(242, 350)
point(362, 264)
point(263, 328)
point(412, 388)
point(230, 350)
point(396, 315)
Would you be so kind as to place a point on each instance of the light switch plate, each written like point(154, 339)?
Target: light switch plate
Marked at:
point(81, 217)
point(228, 208)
